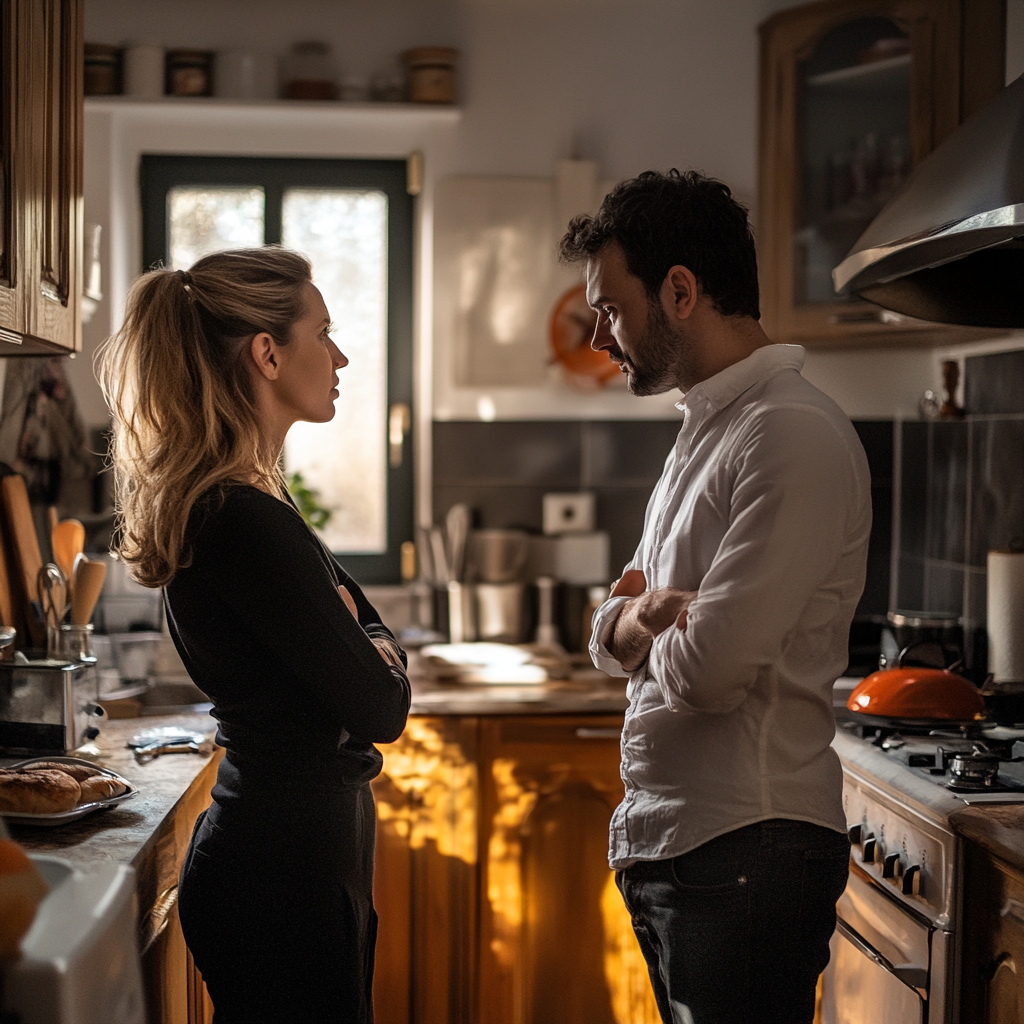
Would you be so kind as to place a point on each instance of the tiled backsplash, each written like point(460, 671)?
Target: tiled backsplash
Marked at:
point(501, 470)
point(961, 493)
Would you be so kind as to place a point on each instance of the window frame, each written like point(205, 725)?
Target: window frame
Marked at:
point(159, 173)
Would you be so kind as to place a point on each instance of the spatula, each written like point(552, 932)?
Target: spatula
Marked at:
point(28, 559)
point(67, 540)
point(89, 577)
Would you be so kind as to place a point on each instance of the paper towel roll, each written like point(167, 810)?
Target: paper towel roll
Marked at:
point(1006, 616)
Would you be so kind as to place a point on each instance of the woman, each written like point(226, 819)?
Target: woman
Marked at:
point(210, 369)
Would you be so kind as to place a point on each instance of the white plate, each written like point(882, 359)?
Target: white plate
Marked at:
point(62, 817)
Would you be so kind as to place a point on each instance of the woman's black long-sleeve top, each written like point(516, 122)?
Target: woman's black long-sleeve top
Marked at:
point(262, 630)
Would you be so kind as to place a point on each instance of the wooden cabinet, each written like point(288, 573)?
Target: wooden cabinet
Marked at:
point(993, 963)
point(497, 905)
point(40, 176)
point(854, 93)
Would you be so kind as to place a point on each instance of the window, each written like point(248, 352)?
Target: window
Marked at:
point(353, 219)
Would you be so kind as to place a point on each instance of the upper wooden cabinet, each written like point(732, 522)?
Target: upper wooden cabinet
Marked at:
point(854, 93)
point(41, 169)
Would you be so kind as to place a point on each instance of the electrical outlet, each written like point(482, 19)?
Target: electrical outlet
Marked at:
point(569, 513)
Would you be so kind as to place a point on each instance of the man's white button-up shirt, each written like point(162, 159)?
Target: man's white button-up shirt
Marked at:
point(764, 509)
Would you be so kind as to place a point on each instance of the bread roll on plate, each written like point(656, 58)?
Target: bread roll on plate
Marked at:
point(100, 787)
point(77, 771)
point(42, 791)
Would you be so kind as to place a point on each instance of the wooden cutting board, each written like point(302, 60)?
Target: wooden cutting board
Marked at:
point(24, 559)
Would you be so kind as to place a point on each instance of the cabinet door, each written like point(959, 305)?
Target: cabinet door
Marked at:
point(14, 40)
point(993, 968)
point(854, 93)
point(425, 874)
point(55, 206)
point(556, 942)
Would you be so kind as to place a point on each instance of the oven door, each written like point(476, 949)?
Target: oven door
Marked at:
point(878, 970)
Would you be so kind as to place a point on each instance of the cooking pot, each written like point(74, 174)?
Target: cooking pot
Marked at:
point(917, 695)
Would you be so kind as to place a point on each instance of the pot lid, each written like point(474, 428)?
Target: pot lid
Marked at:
point(917, 693)
point(949, 247)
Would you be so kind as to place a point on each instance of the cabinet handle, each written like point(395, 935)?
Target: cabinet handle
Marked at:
point(399, 422)
point(152, 926)
point(1013, 909)
point(585, 733)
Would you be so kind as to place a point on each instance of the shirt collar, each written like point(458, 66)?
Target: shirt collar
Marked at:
point(726, 385)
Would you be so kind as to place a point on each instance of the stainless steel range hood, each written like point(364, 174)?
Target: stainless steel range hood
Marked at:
point(949, 247)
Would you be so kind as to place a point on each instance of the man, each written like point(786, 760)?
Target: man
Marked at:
point(732, 620)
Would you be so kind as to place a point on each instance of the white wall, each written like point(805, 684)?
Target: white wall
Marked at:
point(630, 83)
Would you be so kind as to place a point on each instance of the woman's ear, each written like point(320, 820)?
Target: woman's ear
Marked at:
point(263, 350)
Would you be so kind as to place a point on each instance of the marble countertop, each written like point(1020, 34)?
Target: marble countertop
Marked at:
point(151, 831)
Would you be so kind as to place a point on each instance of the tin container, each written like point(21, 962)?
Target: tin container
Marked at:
point(189, 72)
point(101, 67)
point(431, 74)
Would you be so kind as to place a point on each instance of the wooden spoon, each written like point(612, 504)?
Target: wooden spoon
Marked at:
point(89, 577)
point(67, 541)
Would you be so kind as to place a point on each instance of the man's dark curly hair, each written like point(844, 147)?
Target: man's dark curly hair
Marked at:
point(664, 220)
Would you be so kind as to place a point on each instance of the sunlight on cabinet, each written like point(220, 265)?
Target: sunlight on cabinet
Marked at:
point(438, 786)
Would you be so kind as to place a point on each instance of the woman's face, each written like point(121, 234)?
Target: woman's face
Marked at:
point(307, 383)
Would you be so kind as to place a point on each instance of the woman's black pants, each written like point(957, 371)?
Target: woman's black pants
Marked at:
point(276, 906)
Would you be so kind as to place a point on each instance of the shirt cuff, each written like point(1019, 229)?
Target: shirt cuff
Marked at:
point(604, 624)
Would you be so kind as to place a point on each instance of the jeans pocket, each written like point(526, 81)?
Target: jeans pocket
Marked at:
point(705, 871)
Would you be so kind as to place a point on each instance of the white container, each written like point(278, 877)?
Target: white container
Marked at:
point(80, 959)
point(583, 558)
point(244, 75)
point(144, 71)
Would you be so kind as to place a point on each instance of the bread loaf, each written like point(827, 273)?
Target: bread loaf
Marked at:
point(100, 787)
point(38, 791)
point(76, 771)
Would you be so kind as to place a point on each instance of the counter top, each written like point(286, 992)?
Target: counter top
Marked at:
point(588, 693)
point(150, 832)
point(997, 828)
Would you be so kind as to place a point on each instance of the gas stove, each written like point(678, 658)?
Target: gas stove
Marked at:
point(899, 930)
point(971, 762)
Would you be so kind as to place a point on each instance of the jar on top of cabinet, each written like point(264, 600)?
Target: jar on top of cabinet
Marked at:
point(101, 69)
point(431, 74)
point(189, 72)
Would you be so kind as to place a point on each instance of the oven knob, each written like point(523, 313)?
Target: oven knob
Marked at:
point(912, 881)
point(892, 866)
point(870, 845)
point(854, 831)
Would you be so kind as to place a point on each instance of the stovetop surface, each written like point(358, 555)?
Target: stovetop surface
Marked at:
point(917, 763)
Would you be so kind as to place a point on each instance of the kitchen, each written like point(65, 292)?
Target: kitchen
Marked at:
point(525, 105)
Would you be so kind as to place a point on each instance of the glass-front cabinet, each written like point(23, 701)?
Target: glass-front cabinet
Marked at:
point(853, 95)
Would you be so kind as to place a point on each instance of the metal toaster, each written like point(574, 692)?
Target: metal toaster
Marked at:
point(47, 707)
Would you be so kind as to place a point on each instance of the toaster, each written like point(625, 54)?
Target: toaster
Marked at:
point(47, 707)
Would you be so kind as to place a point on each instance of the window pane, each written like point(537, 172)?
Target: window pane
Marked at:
point(344, 232)
point(204, 220)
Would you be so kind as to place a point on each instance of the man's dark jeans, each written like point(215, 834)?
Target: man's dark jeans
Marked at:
point(737, 931)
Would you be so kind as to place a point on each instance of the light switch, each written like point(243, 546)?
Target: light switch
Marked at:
point(569, 513)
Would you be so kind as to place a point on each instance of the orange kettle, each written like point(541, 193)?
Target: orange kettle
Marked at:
point(913, 693)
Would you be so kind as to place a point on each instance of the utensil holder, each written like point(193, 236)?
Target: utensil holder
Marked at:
point(75, 643)
point(461, 617)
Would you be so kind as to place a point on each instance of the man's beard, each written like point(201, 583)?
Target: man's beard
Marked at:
point(654, 369)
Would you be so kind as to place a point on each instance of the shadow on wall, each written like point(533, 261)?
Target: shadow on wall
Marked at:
point(960, 494)
point(502, 470)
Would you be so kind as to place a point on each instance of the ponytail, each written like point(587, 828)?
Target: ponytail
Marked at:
point(179, 388)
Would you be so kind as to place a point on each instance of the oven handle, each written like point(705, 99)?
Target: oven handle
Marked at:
point(912, 975)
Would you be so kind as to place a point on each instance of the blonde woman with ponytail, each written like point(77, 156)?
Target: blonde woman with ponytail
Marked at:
point(210, 369)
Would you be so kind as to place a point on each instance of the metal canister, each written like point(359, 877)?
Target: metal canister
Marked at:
point(189, 72)
point(101, 69)
point(431, 74)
